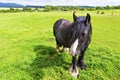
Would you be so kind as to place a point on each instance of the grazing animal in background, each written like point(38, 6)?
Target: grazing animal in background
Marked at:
point(76, 36)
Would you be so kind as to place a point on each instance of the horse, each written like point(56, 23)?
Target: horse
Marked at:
point(75, 36)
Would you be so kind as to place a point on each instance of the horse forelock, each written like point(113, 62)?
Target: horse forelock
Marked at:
point(74, 32)
point(77, 28)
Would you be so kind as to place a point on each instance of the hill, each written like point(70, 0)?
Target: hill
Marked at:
point(10, 5)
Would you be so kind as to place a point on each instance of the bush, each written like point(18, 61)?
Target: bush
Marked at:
point(102, 12)
point(98, 12)
point(65, 9)
point(47, 8)
point(27, 9)
point(11, 9)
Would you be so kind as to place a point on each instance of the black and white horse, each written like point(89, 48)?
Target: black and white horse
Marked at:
point(76, 36)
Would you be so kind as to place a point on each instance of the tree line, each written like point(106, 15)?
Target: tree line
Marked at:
point(49, 8)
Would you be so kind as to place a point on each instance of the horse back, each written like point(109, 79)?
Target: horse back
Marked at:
point(61, 24)
point(60, 30)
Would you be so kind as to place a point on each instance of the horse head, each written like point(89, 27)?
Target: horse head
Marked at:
point(80, 33)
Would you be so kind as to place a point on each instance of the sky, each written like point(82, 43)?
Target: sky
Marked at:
point(65, 2)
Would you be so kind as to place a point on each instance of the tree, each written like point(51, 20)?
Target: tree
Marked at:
point(27, 9)
point(108, 7)
point(99, 8)
point(64, 8)
point(47, 8)
point(55, 8)
point(116, 7)
point(76, 8)
point(11, 9)
point(83, 9)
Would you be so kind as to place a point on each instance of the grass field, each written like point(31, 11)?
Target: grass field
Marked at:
point(27, 47)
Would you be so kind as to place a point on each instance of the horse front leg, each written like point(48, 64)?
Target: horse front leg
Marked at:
point(81, 62)
point(73, 69)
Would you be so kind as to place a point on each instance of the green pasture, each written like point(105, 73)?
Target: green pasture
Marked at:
point(27, 47)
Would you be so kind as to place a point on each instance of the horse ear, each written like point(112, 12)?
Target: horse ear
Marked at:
point(74, 16)
point(87, 21)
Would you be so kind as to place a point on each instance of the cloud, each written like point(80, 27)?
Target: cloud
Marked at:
point(65, 2)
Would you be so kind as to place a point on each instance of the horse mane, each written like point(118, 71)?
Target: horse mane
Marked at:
point(76, 30)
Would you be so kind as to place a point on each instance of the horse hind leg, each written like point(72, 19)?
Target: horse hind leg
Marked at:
point(66, 49)
point(58, 45)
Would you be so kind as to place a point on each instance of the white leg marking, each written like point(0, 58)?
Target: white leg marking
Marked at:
point(66, 49)
point(73, 47)
point(74, 72)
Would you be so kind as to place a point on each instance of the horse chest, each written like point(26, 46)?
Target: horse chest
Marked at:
point(74, 47)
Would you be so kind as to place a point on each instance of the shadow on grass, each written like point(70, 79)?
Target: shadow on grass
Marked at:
point(46, 57)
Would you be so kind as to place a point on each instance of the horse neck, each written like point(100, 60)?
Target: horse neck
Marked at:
point(69, 34)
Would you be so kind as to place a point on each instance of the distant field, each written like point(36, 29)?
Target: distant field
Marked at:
point(27, 47)
point(2, 8)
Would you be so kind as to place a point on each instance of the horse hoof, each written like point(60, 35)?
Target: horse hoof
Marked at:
point(73, 72)
point(57, 50)
point(82, 65)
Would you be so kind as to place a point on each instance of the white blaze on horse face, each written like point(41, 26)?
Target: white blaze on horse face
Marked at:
point(73, 47)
